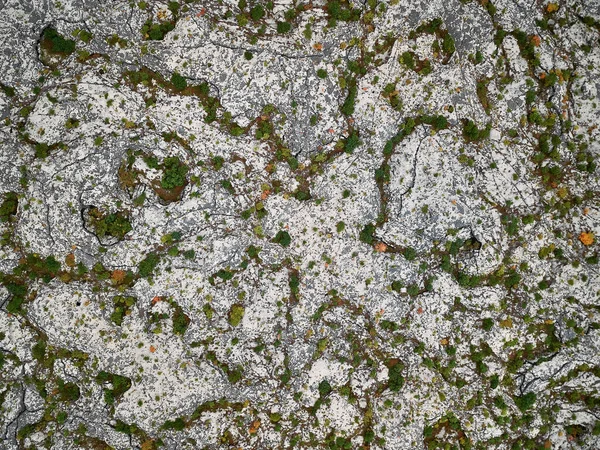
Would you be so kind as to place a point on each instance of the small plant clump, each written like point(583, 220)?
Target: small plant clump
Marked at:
point(178, 81)
point(283, 238)
point(181, 321)
point(341, 10)
point(474, 134)
point(156, 31)
point(9, 206)
point(257, 12)
point(324, 388)
point(148, 264)
point(236, 314)
point(283, 27)
point(55, 43)
point(175, 425)
point(119, 385)
point(67, 392)
point(174, 173)
point(395, 378)
point(122, 308)
point(114, 224)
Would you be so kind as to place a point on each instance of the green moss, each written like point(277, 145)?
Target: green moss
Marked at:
point(174, 173)
point(178, 81)
point(367, 234)
point(412, 290)
point(236, 314)
point(347, 107)
point(324, 388)
point(67, 392)
point(9, 206)
point(352, 142)
point(253, 252)
point(148, 264)
point(448, 45)
point(8, 90)
point(487, 324)
point(397, 286)
point(156, 31)
point(55, 43)
point(17, 292)
point(474, 134)
point(114, 224)
point(42, 150)
point(120, 385)
point(431, 27)
point(38, 351)
point(181, 321)
point(122, 307)
point(321, 73)
point(438, 122)
point(224, 274)
point(175, 425)
point(208, 311)
point(283, 238)
point(257, 12)
point(407, 58)
point(283, 27)
point(409, 253)
point(389, 325)
point(337, 10)
point(395, 378)
point(37, 267)
point(294, 283)
point(526, 401)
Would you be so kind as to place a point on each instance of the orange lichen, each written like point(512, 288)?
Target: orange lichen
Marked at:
point(118, 275)
point(70, 260)
point(380, 247)
point(254, 426)
point(586, 238)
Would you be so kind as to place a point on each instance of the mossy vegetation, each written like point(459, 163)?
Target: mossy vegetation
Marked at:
point(122, 307)
point(283, 238)
point(395, 378)
point(113, 224)
point(181, 321)
point(236, 314)
point(174, 173)
point(9, 206)
point(178, 81)
point(148, 264)
point(54, 43)
point(473, 134)
point(156, 31)
point(114, 385)
point(341, 11)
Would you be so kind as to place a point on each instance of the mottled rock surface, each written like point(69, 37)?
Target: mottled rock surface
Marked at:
point(281, 225)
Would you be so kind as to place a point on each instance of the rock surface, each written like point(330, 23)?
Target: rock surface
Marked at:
point(299, 225)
